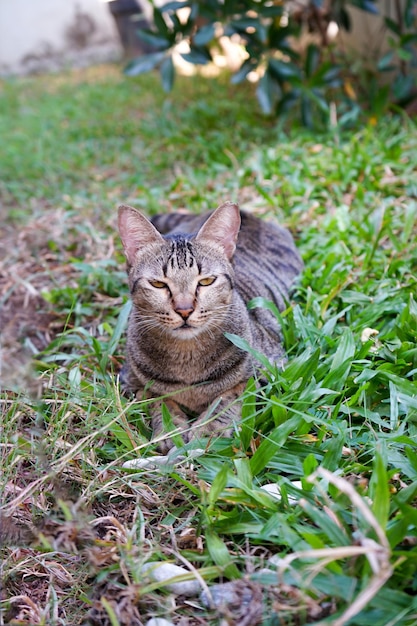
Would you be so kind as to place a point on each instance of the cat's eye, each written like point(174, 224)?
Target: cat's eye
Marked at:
point(205, 282)
point(158, 284)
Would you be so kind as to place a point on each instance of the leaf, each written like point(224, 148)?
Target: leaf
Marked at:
point(197, 56)
point(366, 5)
point(334, 533)
point(167, 73)
point(204, 35)
point(345, 349)
point(110, 611)
point(379, 491)
point(271, 444)
point(306, 112)
point(247, 423)
point(409, 13)
point(264, 94)
point(393, 26)
point(143, 64)
point(170, 427)
point(394, 400)
point(243, 345)
point(263, 303)
point(119, 329)
point(302, 367)
point(385, 63)
point(402, 86)
point(283, 70)
point(220, 554)
point(287, 101)
point(174, 6)
point(247, 67)
point(344, 19)
point(270, 10)
point(159, 21)
point(218, 484)
point(243, 472)
point(312, 60)
point(153, 39)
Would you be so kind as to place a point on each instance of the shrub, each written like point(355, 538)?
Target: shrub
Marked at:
point(271, 34)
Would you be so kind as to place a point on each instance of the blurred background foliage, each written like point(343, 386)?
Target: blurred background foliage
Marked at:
point(298, 52)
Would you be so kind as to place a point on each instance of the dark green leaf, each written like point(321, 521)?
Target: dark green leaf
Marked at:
point(312, 60)
point(159, 21)
point(393, 26)
point(218, 484)
point(403, 86)
point(385, 63)
point(197, 57)
point(286, 103)
point(204, 35)
point(220, 554)
point(174, 6)
point(119, 328)
point(344, 19)
point(248, 414)
point(264, 94)
point(170, 427)
point(167, 73)
point(153, 39)
point(283, 70)
point(272, 443)
point(240, 75)
point(366, 5)
point(243, 345)
point(143, 64)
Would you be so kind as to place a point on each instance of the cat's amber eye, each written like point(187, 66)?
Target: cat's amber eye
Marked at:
point(158, 284)
point(205, 282)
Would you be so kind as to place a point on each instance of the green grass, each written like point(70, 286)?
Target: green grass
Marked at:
point(336, 430)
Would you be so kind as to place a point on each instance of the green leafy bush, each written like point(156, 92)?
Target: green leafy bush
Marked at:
point(290, 73)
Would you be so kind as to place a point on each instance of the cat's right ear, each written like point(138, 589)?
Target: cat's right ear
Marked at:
point(136, 232)
point(222, 227)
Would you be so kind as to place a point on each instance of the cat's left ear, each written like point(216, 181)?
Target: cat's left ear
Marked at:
point(222, 227)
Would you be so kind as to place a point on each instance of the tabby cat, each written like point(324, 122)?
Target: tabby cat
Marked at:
point(189, 286)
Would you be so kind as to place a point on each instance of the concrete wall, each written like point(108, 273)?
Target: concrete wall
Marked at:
point(45, 35)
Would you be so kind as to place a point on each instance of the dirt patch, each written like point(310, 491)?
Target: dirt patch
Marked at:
point(34, 259)
point(26, 320)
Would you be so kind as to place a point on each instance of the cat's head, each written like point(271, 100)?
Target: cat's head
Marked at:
point(180, 285)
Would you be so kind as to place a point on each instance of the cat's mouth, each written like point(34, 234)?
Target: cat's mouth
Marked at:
point(185, 326)
point(186, 329)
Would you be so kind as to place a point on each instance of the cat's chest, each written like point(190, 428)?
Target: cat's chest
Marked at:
point(196, 375)
point(186, 364)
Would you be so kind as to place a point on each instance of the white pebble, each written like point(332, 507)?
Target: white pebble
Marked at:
point(161, 572)
point(151, 462)
point(154, 462)
point(158, 621)
point(274, 490)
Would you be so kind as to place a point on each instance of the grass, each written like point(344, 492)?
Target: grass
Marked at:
point(335, 431)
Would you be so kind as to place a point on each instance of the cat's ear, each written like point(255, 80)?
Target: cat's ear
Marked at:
point(222, 227)
point(136, 232)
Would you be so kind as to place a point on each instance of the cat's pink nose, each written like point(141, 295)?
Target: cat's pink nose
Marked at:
point(184, 312)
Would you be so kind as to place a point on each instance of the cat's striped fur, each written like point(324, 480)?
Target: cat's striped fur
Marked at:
point(190, 287)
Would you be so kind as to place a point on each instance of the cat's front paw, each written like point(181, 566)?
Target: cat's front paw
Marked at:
point(164, 445)
point(210, 430)
point(179, 421)
point(127, 382)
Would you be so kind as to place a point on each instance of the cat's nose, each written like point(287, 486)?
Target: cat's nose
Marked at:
point(185, 312)
point(183, 304)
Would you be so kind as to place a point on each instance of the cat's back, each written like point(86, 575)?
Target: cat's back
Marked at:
point(267, 260)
